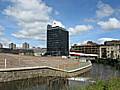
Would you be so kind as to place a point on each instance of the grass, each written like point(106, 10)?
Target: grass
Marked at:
point(112, 84)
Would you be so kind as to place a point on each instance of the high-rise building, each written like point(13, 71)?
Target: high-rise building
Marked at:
point(1, 45)
point(57, 41)
point(12, 46)
point(25, 46)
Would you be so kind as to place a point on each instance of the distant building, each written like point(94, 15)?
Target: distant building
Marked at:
point(112, 52)
point(13, 50)
point(57, 41)
point(25, 46)
point(103, 52)
point(12, 46)
point(110, 49)
point(89, 48)
point(28, 52)
point(1, 45)
point(113, 42)
point(39, 51)
point(91, 43)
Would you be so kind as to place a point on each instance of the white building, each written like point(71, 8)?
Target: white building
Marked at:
point(112, 52)
point(39, 51)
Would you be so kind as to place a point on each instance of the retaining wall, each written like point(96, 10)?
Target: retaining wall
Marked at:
point(11, 74)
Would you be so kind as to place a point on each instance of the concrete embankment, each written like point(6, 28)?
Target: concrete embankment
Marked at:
point(11, 74)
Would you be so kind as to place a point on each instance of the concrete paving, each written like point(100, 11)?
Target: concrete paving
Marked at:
point(16, 61)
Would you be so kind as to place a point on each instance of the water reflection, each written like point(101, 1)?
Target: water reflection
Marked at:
point(41, 83)
point(102, 72)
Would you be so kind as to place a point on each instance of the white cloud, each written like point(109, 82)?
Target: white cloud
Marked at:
point(112, 23)
point(83, 42)
point(102, 40)
point(99, 41)
point(90, 20)
point(79, 28)
point(5, 41)
point(32, 17)
point(104, 10)
point(1, 30)
point(57, 23)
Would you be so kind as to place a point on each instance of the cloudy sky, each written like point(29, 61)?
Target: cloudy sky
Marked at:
point(26, 20)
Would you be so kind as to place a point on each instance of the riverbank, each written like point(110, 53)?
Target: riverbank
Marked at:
point(97, 72)
point(112, 62)
point(23, 67)
point(112, 84)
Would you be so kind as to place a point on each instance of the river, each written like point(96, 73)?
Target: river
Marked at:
point(98, 72)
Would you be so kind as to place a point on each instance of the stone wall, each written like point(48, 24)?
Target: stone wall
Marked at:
point(10, 75)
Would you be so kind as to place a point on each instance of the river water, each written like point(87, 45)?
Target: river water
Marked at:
point(98, 72)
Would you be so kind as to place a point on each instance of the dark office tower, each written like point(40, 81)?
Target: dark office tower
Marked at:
point(57, 41)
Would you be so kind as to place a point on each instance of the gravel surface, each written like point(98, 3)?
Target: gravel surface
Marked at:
point(14, 61)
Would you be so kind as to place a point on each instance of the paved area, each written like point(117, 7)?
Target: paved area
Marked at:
point(15, 61)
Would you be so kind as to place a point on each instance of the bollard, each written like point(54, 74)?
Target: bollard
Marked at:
point(5, 63)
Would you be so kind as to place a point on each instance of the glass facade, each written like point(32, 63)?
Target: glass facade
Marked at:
point(57, 41)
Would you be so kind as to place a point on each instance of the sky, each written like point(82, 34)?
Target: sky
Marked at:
point(26, 20)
